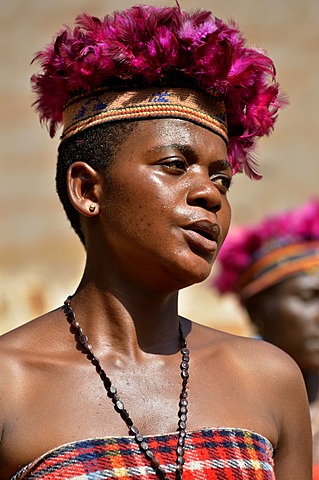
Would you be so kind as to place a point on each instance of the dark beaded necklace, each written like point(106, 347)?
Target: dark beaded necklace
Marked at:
point(119, 406)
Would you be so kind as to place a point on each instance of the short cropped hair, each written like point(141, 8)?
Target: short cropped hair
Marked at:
point(97, 146)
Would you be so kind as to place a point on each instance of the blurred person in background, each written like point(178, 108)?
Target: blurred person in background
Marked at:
point(160, 107)
point(273, 269)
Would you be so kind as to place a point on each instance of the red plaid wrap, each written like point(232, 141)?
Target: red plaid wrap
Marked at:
point(210, 454)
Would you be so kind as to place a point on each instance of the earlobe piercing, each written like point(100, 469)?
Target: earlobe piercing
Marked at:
point(92, 207)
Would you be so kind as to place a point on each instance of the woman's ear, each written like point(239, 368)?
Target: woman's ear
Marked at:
point(83, 184)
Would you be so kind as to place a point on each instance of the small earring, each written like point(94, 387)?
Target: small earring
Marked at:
point(92, 207)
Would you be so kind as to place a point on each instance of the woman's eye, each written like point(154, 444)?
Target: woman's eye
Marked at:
point(222, 181)
point(175, 165)
point(308, 295)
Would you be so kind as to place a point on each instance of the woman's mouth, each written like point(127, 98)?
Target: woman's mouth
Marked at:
point(203, 235)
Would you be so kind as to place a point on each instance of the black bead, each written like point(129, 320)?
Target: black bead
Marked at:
point(149, 454)
point(144, 446)
point(119, 406)
point(128, 420)
point(83, 339)
point(180, 451)
point(183, 417)
point(161, 472)
point(155, 463)
point(182, 425)
point(134, 430)
point(125, 415)
point(111, 391)
point(95, 361)
point(139, 438)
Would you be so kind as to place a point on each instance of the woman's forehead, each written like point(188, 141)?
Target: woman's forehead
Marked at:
point(158, 134)
point(300, 281)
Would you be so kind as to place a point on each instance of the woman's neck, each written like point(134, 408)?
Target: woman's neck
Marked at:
point(128, 318)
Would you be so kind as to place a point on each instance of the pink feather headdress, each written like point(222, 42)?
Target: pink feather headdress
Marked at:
point(146, 46)
point(257, 256)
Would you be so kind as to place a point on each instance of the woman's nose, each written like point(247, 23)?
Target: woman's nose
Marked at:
point(203, 193)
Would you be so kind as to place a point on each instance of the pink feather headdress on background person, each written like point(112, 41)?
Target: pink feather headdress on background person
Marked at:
point(147, 46)
point(255, 257)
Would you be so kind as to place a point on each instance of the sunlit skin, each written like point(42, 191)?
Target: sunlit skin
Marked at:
point(166, 208)
point(160, 217)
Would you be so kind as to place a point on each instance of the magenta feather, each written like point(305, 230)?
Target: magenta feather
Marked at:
point(150, 45)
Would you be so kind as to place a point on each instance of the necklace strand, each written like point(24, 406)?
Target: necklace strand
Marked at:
point(119, 406)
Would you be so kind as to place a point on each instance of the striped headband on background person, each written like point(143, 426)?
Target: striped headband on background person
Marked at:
point(278, 265)
point(255, 257)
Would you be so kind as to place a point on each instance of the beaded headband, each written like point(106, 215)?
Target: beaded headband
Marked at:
point(105, 106)
point(256, 257)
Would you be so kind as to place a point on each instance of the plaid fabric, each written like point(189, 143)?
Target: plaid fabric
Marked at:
point(214, 454)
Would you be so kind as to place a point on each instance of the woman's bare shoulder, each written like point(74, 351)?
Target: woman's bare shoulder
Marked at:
point(23, 350)
point(32, 339)
point(31, 329)
point(251, 356)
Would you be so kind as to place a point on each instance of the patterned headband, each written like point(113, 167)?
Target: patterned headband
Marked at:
point(183, 103)
point(278, 265)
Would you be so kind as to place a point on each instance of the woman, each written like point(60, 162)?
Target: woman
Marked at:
point(159, 108)
point(275, 274)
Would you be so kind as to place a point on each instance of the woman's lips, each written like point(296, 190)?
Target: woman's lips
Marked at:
point(203, 235)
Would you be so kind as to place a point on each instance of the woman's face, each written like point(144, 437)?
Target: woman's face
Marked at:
point(164, 212)
point(292, 322)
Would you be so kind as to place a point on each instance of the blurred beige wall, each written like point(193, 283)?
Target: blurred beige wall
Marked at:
point(41, 259)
